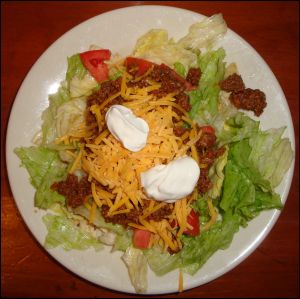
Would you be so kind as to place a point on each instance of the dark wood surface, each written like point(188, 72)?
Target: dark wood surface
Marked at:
point(29, 28)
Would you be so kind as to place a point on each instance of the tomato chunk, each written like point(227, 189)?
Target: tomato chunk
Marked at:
point(141, 238)
point(193, 220)
point(208, 129)
point(142, 65)
point(94, 63)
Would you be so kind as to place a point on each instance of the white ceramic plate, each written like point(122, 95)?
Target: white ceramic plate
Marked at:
point(118, 30)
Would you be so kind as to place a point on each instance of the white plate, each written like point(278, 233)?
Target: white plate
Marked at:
point(118, 30)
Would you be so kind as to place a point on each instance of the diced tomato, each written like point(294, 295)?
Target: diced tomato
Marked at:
point(94, 63)
point(173, 223)
point(142, 65)
point(141, 238)
point(193, 220)
point(208, 129)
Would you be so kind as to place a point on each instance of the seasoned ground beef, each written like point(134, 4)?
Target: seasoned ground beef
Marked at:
point(107, 89)
point(233, 82)
point(207, 154)
point(249, 99)
point(204, 183)
point(122, 219)
point(182, 100)
point(161, 213)
point(193, 76)
point(179, 131)
point(133, 215)
point(75, 191)
point(170, 81)
point(206, 141)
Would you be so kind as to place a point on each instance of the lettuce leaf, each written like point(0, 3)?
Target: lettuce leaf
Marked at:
point(271, 154)
point(162, 263)
point(216, 175)
point(180, 69)
point(99, 221)
point(136, 263)
point(49, 132)
point(69, 116)
point(197, 250)
point(156, 46)
point(75, 68)
point(204, 100)
point(64, 232)
point(44, 167)
point(82, 87)
point(241, 196)
point(202, 35)
point(236, 128)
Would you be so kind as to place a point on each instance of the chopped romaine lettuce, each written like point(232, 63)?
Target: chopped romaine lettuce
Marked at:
point(75, 68)
point(205, 98)
point(156, 46)
point(242, 196)
point(271, 154)
point(180, 69)
point(162, 262)
point(49, 115)
point(44, 167)
point(82, 87)
point(70, 116)
point(99, 220)
point(198, 250)
point(238, 127)
point(64, 232)
point(137, 266)
point(202, 35)
point(216, 175)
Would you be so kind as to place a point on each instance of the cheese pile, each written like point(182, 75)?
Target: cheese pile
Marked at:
point(114, 171)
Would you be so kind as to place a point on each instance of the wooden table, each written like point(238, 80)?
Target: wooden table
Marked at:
point(28, 29)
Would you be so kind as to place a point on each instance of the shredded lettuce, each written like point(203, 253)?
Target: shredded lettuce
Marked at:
point(82, 87)
point(243, 196)
point(156, 46)
point(271, 154)
point(180, 69)
point(162, 262)
point(100, 222)
point(204, 100)
point(216, 175)
point(236, 128)
point(44, 167)
point(203, 35)
point(265, 151)
point(70, 116)
point(49, 115)
point(64, 232)
point(75, 68)
point(137, 266)
point(196, 250)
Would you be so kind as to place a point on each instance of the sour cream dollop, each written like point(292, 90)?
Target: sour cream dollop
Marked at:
point(130, 130)
point(172, 181)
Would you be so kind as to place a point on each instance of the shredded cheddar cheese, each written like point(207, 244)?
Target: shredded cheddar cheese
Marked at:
point(114, 172)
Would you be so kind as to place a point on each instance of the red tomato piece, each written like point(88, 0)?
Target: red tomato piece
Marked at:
point(141, 238)
point(94, 63)
point(142, 65)
point(193, 220)
point(208, 129)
